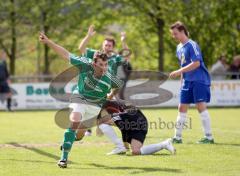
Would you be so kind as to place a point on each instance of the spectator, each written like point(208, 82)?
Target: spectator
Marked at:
point(219, 69)
point(123, 73)
point(235, 67)
point(5, 91)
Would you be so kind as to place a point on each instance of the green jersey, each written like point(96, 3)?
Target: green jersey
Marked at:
point(114, 61)
point(90, 88)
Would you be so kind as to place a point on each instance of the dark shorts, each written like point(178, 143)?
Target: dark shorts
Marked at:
point(133, 126)
point(138, 135)
point(194, 92)
point(4, 88)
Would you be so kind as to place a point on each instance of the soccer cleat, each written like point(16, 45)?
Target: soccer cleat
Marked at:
point(88, 133)
point(176, 141)
point(117, 151)
point(205, 141)
point(62, 163)
point(170, 147)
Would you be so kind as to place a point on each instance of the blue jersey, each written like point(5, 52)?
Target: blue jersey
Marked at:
point(188, 53)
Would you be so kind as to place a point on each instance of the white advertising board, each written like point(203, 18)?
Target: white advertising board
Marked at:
point(36, 95)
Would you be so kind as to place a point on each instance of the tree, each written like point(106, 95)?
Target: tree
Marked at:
point(153, 15)
point(9, 22)
point(214, 26)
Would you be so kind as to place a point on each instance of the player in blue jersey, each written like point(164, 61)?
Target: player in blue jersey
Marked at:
point(195, 82)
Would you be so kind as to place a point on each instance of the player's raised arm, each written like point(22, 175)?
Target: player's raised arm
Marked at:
point(84, 42)
point(57, 48)
point(123, 40)
point(113, 93)
point(124, 44)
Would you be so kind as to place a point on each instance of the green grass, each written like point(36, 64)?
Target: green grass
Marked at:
point(89, 158)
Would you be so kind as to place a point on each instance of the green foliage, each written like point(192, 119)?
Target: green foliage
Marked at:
point(213, 24)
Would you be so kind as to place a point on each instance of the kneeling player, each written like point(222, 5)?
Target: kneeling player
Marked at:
point(133, 125)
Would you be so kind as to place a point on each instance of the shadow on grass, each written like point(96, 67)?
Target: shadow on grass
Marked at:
point(28, 161)
point(228, 144)
point(215, 144)
point(38, 151)
point(135, 170)
point(154, 154)
point(162, 154)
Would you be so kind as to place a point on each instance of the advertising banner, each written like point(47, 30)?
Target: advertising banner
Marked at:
point(36, 95)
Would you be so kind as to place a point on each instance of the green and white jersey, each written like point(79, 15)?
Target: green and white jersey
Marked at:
point(114, 61)
point(90, 88)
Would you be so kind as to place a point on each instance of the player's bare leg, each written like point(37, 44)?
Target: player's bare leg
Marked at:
point(136, 147)
point(80, 133)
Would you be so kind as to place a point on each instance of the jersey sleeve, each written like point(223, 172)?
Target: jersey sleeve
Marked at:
point(194, 52)
point(119, 60)
point(78, 61)
point(89, 53)
point(116, 83)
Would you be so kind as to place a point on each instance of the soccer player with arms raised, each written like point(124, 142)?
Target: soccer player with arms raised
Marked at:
point(94, 83)
point(114, 61)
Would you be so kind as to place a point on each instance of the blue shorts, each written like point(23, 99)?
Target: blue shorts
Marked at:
point(194, 92)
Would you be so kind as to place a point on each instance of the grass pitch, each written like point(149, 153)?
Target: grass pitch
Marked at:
point(29, 146)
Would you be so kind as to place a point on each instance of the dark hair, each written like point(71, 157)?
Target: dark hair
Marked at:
point(110, 40)
point(100, 55)
point(113, 106)
point(180, 26)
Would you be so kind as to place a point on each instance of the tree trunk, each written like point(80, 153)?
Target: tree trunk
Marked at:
point(46, 60)
point(46, 49)
point(13, 38)
point(160, 25)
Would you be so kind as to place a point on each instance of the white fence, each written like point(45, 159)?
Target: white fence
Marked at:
point(36, 95)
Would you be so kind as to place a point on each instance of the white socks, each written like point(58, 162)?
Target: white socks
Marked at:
point(111, 134)
point(206, 124)
point(152, 148)
point(181, 119)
